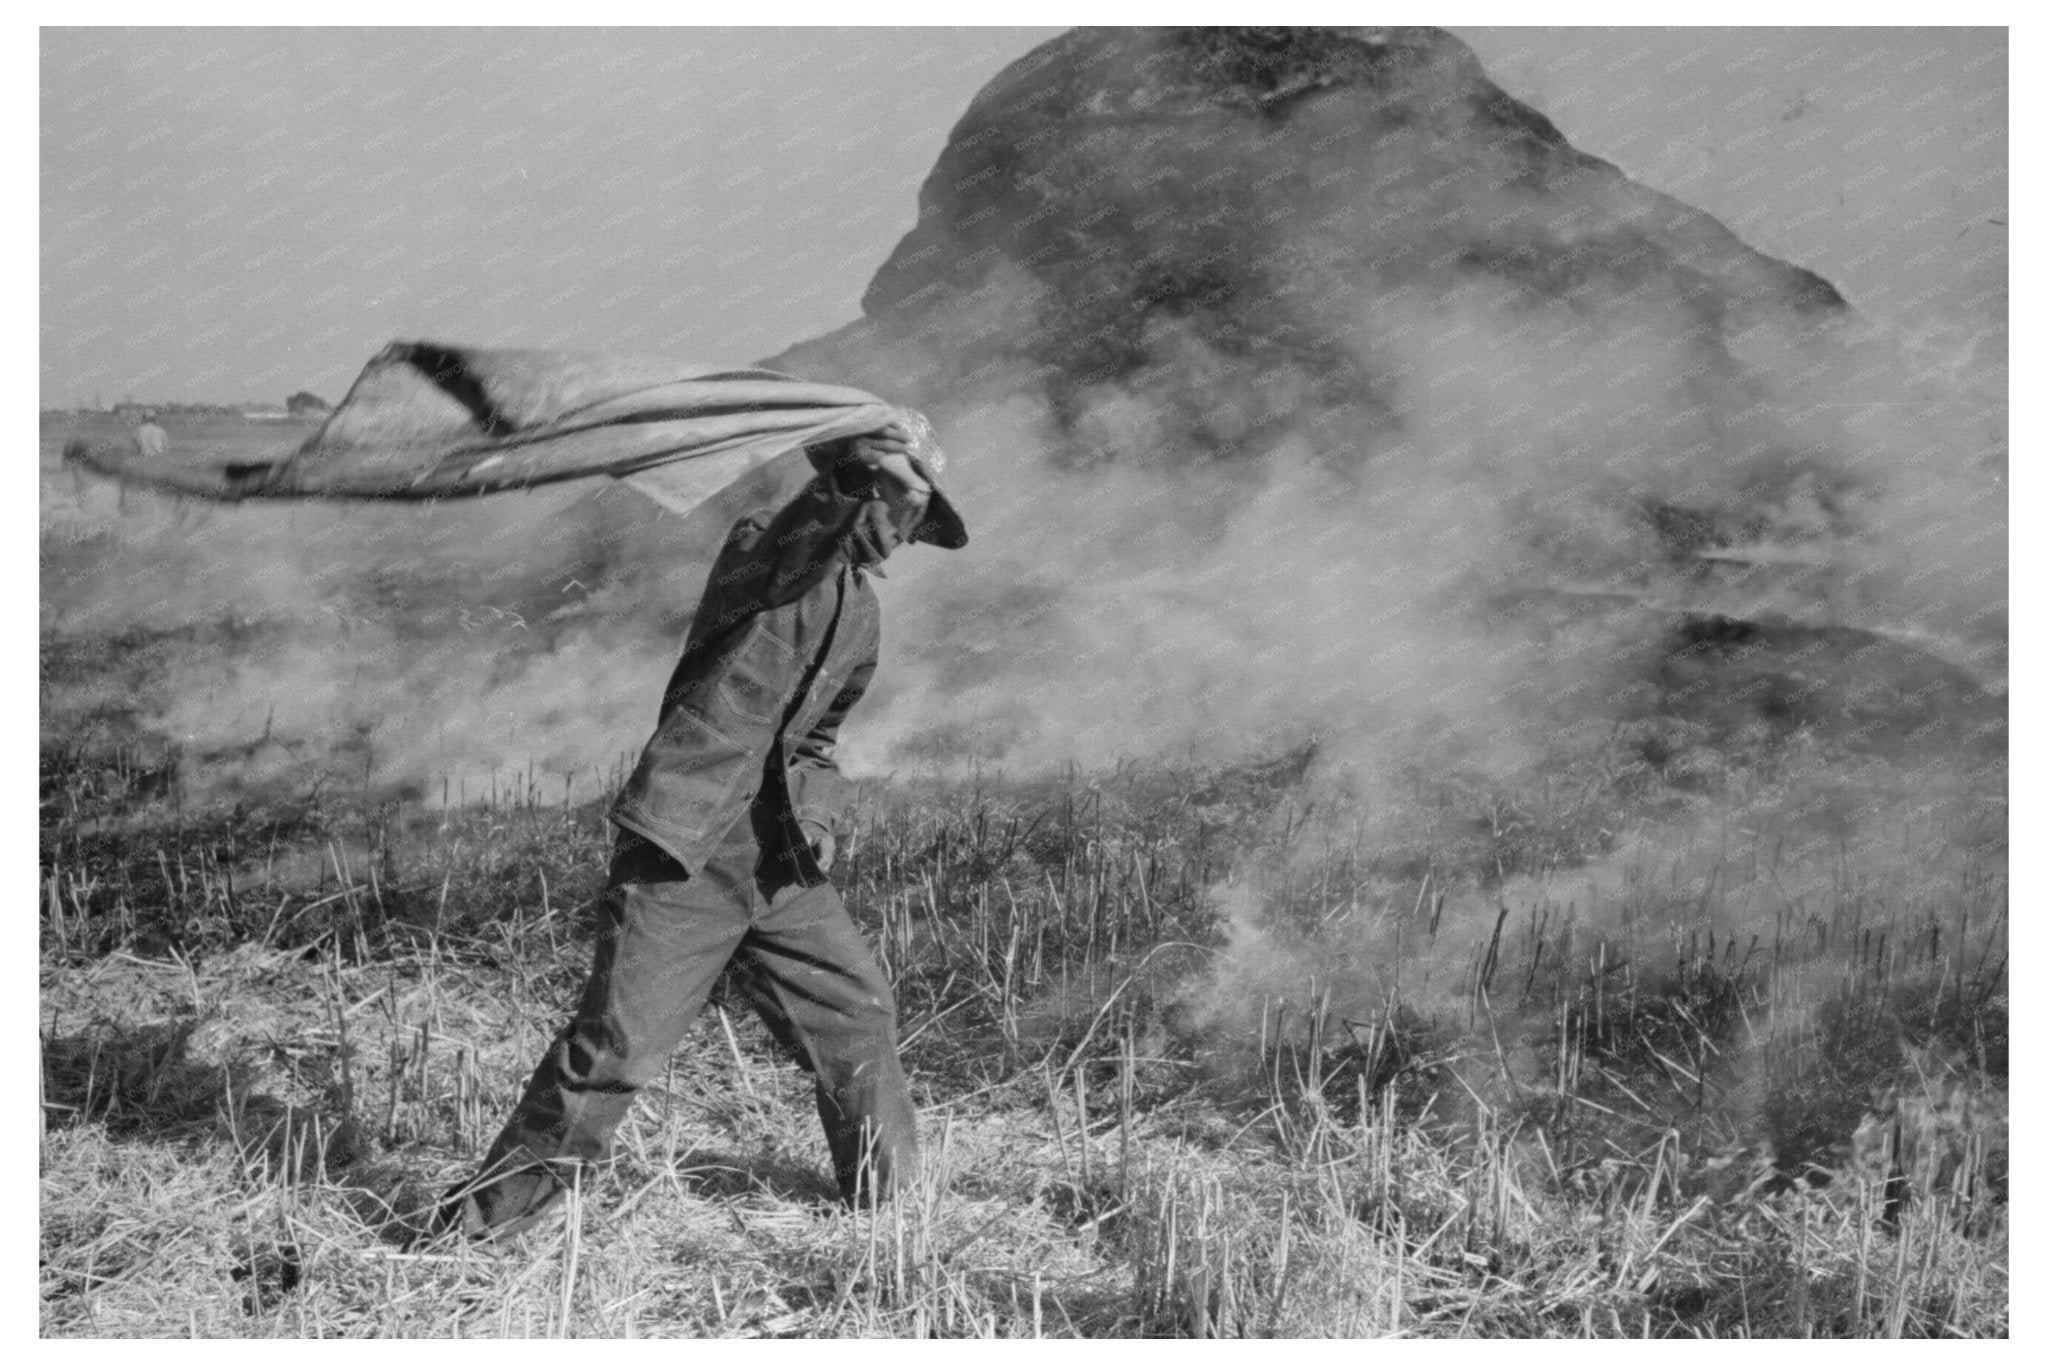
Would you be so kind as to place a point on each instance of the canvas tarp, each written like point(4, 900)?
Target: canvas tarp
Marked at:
point(426, 420)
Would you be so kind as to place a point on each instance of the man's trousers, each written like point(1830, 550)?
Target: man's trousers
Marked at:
point(664, 938)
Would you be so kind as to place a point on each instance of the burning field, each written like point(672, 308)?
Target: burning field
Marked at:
point(1459, 788)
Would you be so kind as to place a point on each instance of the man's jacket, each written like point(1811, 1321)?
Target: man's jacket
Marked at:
point(783, 645)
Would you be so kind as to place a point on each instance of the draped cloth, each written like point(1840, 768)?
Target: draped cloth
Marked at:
point(426, 420)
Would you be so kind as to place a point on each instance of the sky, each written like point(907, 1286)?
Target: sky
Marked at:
point(233, 215)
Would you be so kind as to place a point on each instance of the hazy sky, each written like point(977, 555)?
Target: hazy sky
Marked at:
point(237, 214)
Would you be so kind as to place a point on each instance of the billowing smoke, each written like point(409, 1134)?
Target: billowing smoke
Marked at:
point(1503, 559)
point(1306, 386)
point(1379, 421)
point(518, 642)
point(1300, 390)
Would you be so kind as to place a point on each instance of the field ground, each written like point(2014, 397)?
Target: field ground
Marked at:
point(269, 1037)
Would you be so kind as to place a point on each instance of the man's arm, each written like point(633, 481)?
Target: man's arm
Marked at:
point(798, 547)
point(837, 517)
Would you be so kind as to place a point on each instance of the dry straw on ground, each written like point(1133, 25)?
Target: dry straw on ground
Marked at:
point(258, 1063)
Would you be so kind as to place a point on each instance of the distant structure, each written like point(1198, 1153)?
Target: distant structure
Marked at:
point(151, 440)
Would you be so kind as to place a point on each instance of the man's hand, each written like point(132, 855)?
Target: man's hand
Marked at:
point(878, 459)
point(877, 468)
point(823, 846)
point(882, 443)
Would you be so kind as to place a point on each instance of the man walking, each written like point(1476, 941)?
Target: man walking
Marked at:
point(725, 838)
